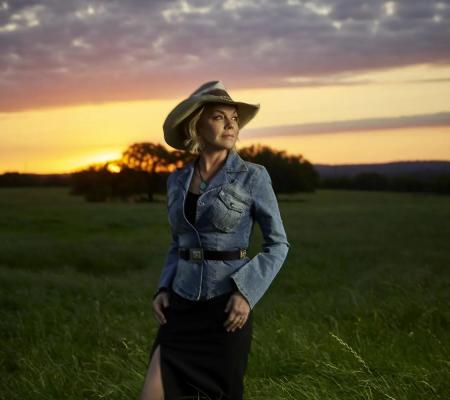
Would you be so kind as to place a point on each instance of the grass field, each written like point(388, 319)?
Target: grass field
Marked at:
point(360, 309)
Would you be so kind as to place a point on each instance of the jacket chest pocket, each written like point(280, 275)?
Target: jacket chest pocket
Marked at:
point(228, 208)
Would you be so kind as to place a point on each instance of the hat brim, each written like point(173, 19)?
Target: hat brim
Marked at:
point(173, 130)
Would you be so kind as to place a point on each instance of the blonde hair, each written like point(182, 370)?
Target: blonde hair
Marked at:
point(194, 143)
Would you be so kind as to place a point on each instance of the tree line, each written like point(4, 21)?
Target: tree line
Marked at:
point(439, 184)
point(143, 168)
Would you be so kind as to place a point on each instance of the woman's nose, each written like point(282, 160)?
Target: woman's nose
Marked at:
point(230, 122)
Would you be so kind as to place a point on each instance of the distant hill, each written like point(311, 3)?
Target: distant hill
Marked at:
point(417, 169)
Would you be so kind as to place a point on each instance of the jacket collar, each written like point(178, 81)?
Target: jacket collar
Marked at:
point(233, 163)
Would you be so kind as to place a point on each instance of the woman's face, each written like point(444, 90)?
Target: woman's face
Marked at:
point(218, 126)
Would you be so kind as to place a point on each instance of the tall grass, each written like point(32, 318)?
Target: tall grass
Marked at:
point(360, 309)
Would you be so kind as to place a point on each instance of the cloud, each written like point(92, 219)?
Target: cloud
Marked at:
point(360, 125)
point(55, 53)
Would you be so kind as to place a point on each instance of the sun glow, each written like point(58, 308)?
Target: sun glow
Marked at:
point(110, 156)
point(114, 168)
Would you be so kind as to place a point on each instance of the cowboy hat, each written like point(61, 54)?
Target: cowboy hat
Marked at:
point(210, 92)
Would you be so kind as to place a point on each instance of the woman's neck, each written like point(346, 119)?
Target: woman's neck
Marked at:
point(210, 161)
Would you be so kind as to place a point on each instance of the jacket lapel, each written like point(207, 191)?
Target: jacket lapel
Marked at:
point(233, 164)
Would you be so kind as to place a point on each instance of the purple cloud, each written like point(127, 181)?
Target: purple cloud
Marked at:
point(56, 53)
point(359, 125)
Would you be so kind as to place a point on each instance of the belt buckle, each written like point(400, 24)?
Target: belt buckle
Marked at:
point(242, 253)
point(196, 254)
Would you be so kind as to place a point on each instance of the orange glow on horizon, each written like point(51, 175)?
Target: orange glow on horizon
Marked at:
point(337, 148)
point(62, 140)
point(114, 168)
point(81, 162)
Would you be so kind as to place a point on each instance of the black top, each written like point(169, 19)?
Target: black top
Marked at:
point(190, 207)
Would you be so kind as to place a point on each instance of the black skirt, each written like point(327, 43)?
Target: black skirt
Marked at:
point(199, 358)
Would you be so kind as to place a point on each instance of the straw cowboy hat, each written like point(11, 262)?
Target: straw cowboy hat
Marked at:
point(210, 92)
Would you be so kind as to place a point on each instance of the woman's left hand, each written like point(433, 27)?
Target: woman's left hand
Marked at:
point(238, 309)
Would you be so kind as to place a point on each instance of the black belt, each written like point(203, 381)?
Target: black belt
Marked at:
point(199, 254)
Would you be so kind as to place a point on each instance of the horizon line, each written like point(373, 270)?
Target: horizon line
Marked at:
point(313, 163)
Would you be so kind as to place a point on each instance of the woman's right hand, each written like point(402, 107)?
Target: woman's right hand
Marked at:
point(160, 301)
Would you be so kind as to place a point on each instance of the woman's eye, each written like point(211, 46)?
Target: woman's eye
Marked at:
point(220, 117)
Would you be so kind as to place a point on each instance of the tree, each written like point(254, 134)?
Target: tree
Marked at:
point(288, 173)
point(153, 159)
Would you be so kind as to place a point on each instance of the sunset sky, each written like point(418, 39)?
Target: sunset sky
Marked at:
point(339, 81)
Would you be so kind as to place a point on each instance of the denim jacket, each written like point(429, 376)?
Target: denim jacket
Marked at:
point(239, 194)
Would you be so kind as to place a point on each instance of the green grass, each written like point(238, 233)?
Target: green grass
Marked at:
point(360, 309)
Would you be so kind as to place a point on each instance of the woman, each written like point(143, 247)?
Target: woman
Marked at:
point(209, 286)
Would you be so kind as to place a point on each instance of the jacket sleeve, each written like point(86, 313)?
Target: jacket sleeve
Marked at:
point(255, 277)
point(170, 264)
